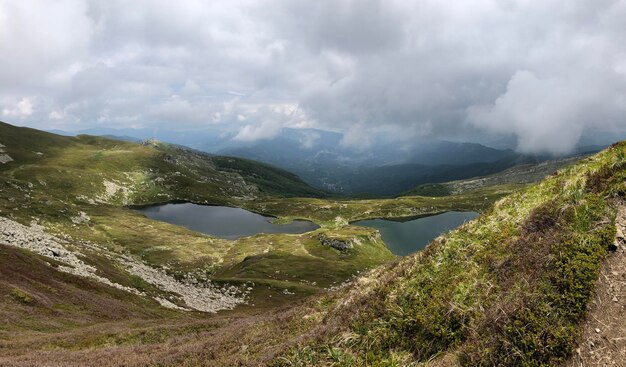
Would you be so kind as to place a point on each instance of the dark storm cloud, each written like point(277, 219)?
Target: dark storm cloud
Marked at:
point(543, 71)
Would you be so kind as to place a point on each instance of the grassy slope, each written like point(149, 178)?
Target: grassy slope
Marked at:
point(508, 289)
point(36, 298)
point(53, 318)
point(273, 180)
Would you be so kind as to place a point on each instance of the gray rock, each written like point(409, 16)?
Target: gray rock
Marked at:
point(340, 245)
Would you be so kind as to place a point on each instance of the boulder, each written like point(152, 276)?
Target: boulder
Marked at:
point(340, 245)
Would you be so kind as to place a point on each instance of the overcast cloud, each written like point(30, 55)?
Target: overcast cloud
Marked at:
point(544, 71)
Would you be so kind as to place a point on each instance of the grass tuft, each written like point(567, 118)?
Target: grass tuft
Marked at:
point(21, 296)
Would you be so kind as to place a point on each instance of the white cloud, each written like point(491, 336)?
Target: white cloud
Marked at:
point(39, 38)
point(55, 115)
point(356, 137)
point(22, 109)
point(423, 68)
point(549, 114)
point(254, 132)
point(273, 118)
point(309, 138)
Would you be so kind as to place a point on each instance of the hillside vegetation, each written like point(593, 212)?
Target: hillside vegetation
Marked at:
point(509, 289)
point(86, 280)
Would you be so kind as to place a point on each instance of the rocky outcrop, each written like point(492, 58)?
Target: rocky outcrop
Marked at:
point(113, 190)
point(82, 217)
point(199, 296)
point(4, 158)
point(150, 143)
point(35, 239)
point(337, 244)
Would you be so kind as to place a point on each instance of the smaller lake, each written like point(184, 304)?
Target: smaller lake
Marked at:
point(407, 237)
point(222, 221)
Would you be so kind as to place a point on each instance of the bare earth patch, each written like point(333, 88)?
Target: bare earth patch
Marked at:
point(604, 338)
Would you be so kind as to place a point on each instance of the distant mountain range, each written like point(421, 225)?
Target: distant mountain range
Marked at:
point(382, 168)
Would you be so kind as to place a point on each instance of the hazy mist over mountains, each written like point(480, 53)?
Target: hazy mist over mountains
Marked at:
point(320, 158)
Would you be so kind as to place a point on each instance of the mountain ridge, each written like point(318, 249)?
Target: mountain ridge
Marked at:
point(320, 158)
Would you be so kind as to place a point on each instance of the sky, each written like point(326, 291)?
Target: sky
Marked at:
point(546, 72)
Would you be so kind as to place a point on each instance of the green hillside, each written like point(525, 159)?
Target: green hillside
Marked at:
point(509, 289)
point(86, 280)
point(146, 172)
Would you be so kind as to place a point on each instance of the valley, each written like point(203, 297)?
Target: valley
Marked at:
point(83, 190)
point(79, 189)
point(85, 271)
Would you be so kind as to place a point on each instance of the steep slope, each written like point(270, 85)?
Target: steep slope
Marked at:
point(508, 289)
point(43, 298)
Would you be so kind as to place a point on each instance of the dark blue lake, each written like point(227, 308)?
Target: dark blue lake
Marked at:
point(406, 237)
point(222, 221)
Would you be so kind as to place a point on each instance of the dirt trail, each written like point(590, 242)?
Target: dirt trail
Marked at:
point(604, 339)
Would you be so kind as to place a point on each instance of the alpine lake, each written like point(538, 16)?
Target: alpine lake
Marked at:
point(403, 237)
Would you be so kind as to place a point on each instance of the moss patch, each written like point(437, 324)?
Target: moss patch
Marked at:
point(21, 296)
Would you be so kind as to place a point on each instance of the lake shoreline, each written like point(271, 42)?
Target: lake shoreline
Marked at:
point(230, 223)
point(406, 237)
